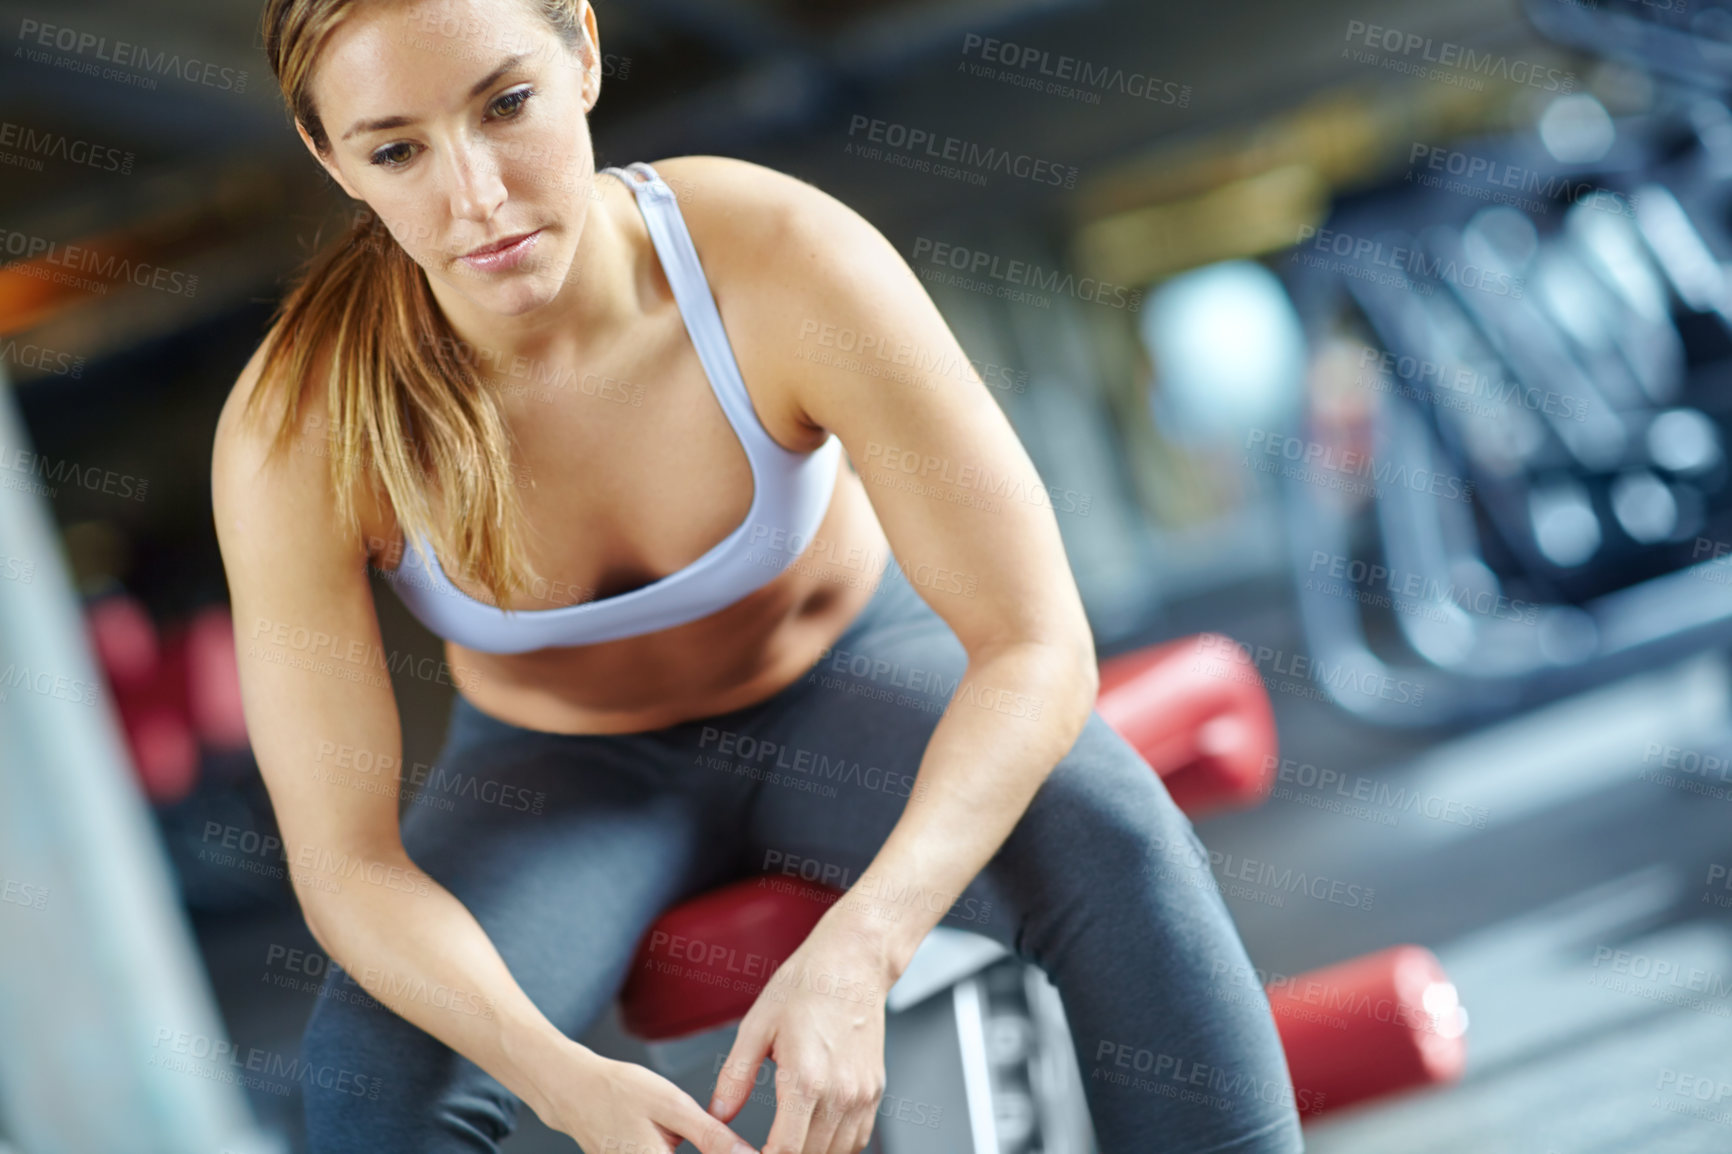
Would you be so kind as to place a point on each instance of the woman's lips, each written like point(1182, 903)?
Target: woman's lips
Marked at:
point(507, 257)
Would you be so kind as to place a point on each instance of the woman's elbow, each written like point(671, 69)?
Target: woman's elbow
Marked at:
point(1070, 678)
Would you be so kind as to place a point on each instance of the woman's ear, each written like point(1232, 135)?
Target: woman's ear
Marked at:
point(592, 65)
point(330, 169)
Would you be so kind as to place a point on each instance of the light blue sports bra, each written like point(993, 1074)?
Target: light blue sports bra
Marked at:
point(790, 495)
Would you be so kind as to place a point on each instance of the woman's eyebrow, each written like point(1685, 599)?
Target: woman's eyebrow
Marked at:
point(475, 90)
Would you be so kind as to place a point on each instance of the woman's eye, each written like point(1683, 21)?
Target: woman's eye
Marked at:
point(382, 158)
point(512, 103)
point(507, 107)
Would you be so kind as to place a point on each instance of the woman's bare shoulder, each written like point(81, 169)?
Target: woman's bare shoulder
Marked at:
point(739, 210)
point(244, 437)
point(250, 470)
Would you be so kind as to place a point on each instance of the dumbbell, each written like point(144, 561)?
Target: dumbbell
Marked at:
point(150, 701)
point(125, 639)
point(1210, 737)
point(175, 691)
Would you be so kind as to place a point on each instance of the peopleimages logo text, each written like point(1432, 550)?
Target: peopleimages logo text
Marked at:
point(128, 55)
point(1491, 172)
point(1334, 460)
point(1040, 62)
point(1409, 261)
point(980, 263)
point(106, 264)
point(1458, 56)
point(966, 153)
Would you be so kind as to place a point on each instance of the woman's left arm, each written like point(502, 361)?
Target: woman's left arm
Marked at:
point(971, 522)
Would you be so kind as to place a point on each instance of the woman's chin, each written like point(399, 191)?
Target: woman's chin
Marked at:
point(514, 296)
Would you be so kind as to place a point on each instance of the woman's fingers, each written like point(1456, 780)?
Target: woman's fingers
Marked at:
point(686, 1119)
point(739, 1073)
point(829, 1113)
point(794, 1109)
point(814, 1112)
point(855, 1127)
point(820, 1108)
point(852, 1137)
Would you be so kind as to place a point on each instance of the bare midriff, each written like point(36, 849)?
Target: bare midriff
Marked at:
point(738, 656)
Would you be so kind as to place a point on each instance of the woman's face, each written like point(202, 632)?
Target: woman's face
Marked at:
point(461, 123)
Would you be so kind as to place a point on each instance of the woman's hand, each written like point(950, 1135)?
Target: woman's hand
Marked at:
point(821, 1020)
point(623, 1108)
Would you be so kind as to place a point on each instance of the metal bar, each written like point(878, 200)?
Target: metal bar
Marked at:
point(976, 1071)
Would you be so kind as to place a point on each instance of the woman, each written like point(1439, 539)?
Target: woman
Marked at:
point(621, 478)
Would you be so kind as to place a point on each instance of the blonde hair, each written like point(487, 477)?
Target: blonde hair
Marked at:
point(405, 410)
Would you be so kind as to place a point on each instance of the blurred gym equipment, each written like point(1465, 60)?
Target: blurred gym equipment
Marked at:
point(103, 981)
point(1577, 535)
point(1516, 442)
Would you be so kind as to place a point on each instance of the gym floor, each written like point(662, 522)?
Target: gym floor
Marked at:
point(1581, 860)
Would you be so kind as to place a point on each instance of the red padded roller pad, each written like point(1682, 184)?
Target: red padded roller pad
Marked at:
point(705, 961)
point(1199, 716)
point(1369, 1026)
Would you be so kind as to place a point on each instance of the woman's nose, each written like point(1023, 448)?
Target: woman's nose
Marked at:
point(472, 175)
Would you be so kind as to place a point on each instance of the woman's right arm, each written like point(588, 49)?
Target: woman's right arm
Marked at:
point(318, 703)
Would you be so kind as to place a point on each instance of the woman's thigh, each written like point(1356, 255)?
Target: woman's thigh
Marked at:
point(564, 849)
point(1101, 882)
point(846, 744)
point(849, 743)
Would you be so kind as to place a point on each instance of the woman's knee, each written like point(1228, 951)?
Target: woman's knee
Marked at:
point(1103, 852)
point(1101, 808)
point(374, 1081)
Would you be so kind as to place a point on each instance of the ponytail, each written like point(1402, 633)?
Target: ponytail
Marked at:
point(405, 411)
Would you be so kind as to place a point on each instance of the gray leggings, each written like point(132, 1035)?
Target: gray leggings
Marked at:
point(566, 848)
